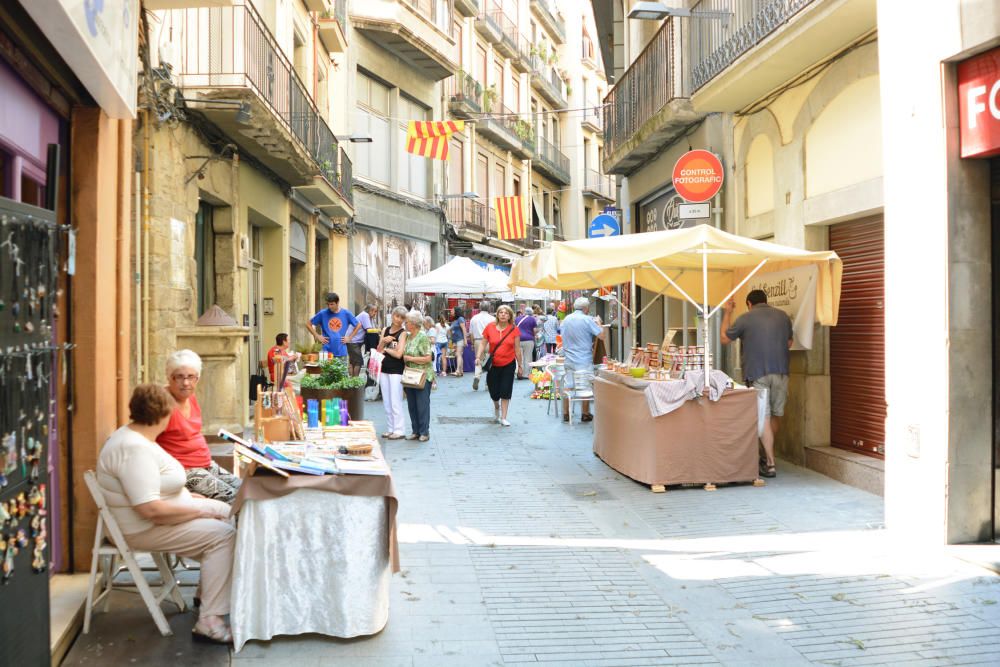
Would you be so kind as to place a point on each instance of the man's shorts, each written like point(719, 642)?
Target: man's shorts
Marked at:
point(569, 379)
point(777, 392)
point(354, 353)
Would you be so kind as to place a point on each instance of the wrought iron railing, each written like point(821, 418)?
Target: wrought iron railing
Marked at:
point(549, 78)
point(508, 29)
point(600, 183)
point(554, 18)
point(641, 91)
point(592, 113)
point(497, 114)
point(547, 152)
point(231, 47)
point(465, 89)
point(471, 214)
point(715, 44)
point(346, 177)
point(340, 13)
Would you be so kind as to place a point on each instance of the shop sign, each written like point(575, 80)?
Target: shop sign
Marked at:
point(698, 176)
point(793, 291)
point(979, 105)
point(98, 39)
point(664, 213)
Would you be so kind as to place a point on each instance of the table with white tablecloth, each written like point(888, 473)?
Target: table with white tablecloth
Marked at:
point(313, 555)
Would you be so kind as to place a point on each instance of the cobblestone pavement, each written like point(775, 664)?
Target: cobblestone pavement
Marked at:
point(520, 547)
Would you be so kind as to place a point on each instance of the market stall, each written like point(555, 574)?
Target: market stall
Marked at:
point(316, 536)
point(706, 267)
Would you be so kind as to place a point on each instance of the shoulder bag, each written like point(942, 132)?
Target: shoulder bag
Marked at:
point(414, 378)
point(488, 361)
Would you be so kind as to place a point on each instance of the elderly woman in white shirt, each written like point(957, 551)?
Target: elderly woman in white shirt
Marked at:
point(145, 490)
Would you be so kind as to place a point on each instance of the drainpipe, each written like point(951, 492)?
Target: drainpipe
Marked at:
point(145, 374)
point(138, 276)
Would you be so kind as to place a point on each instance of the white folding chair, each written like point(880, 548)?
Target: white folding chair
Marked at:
point(582, 390)
point(557, 372)
point(108, 549)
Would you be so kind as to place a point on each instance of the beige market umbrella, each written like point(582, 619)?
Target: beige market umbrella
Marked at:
point(703, 265)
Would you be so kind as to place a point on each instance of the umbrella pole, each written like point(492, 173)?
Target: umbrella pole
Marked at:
point(631, 303)
point(706, 314)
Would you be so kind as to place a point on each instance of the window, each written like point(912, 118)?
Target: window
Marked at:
point(459, 44)
point(586, 155)
point(204, 256)
point(588, 47)
point(481, 60)
point(371, 160)
point(499, 82)
point(483, 178)
point(456, 167)
point(499, 181)
point(556, 217)
point(517, 186)
point(412, 168)
point(515, 93)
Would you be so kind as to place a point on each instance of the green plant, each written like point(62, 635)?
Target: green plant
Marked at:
point(333, 374)
point(489, 97)
point(569, 90)
point(312, 347)
point(524, 130)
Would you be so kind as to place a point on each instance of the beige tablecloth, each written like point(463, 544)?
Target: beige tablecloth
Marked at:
point(703, 441)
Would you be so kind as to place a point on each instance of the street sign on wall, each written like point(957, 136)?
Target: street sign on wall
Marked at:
point(698, 176)
point(604, 225)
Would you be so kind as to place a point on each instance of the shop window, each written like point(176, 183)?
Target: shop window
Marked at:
point(204, 256)
point(32, 192)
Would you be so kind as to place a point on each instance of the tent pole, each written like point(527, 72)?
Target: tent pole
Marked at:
point(739, 287)
point(674, 285)
point(631, 302)
point(705, 313)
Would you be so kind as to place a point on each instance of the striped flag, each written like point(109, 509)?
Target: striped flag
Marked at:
point(510, 218)
point(429, 138)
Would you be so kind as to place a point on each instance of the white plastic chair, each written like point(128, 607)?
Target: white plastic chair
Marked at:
point(582, 390)
point(557, 372)
point(108, 549)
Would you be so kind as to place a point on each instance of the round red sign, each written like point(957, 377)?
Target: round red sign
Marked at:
point(698, 176)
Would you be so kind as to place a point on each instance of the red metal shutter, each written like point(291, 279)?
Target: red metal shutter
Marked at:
point(857, 343)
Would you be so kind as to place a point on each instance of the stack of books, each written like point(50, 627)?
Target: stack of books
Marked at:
point(324, 453)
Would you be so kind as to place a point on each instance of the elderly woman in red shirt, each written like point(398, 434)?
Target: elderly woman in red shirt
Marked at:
point(183, 439)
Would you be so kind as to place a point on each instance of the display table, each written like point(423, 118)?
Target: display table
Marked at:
point(313, 554)
point(702, 442)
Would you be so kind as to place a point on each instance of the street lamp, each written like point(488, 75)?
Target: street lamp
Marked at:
point(356, 138)
point(651, 10)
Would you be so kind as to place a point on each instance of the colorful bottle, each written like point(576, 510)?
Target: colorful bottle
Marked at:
point(312, 408)
point(333, 418)
point(345, 415)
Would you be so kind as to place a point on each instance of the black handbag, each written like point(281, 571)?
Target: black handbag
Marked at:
point(488, 361)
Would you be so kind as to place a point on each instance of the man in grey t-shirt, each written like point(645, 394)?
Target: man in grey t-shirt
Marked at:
point(766, 334)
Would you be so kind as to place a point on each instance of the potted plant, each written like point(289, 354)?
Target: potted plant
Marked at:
point(309, 351)
point(489, 97)
point(524, 131)
point(334, 381)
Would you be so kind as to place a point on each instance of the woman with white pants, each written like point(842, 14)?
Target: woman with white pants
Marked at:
point(390, 380)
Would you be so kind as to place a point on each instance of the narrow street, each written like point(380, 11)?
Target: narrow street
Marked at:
point(519, 546)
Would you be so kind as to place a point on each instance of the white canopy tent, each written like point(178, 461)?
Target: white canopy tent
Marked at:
point(459, 276)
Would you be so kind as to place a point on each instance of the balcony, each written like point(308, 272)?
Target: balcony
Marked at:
point(419, 32)
point(764, 44)
point(474, 221)
point(228, 53)
point(504, 128)
point(524, 54)
point(509, 36)
point(648, 108)
point(591, 119)
point(488, 24)
point(551, 161)
point(549, 17)
point(598, 185)
point(467, 7)
point(465, 96)
point(548, 83)
point(332, 28)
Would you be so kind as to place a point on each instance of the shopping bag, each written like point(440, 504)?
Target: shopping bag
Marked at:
point(375, 364)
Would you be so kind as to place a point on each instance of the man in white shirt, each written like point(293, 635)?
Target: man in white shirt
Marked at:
point(477, 324)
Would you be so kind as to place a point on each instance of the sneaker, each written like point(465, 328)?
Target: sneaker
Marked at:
point(475, 383)
point(504, 422)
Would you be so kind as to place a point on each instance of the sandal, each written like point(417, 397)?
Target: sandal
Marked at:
point(394, 436)
point(220, 634)
point(387, 434)
point(768, 471)
point(424, 438)
point(587, 417)
point(412, 436)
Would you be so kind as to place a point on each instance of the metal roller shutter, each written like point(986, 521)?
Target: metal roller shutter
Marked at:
point(857, 343)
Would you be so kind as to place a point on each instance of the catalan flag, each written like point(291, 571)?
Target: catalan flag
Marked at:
point(429, 138)
point(510, 218)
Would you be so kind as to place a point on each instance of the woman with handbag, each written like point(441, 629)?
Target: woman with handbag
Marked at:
point(418, 376)
point(505, 355)
point(390, 378)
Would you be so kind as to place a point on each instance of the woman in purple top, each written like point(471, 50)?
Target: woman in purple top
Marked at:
point(526, 324)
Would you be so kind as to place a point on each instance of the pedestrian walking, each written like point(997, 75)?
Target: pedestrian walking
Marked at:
point(458, 335)
point(501, 339)
point(477, 325)
point(766, 333)
point(390, 380)
point(526, 324)
point(550, 329)
point(441, 342)
point(540, 318)
point(417, 356)
point(356, 346)
point(579, 330)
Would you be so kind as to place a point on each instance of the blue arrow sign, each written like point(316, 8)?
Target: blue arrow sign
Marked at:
point(603, 226)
